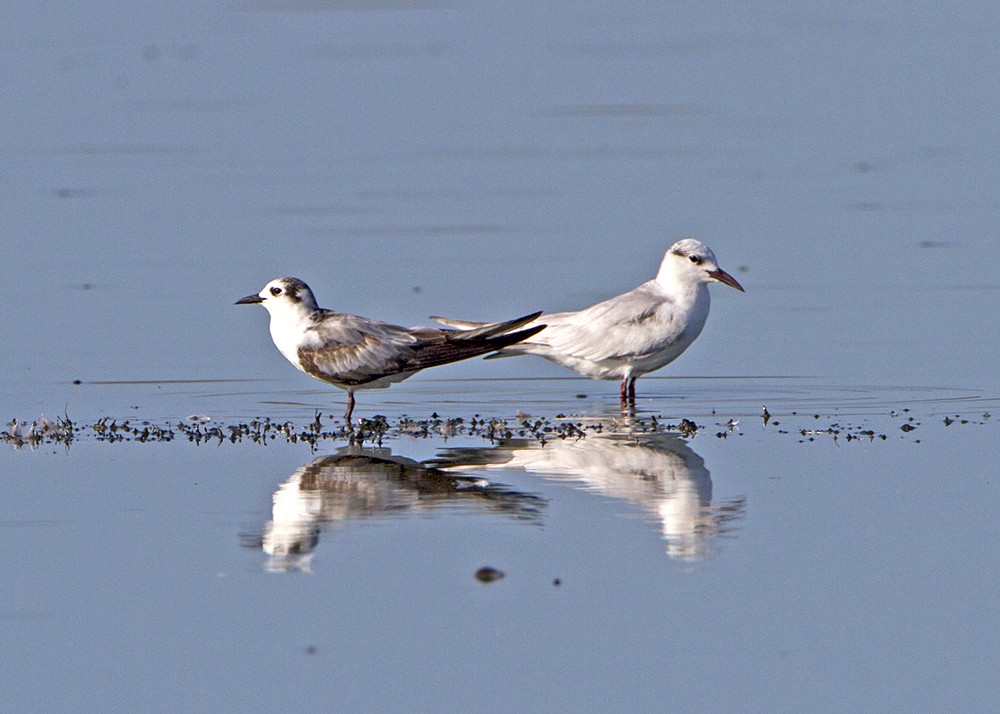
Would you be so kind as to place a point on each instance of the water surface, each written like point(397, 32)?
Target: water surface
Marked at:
point(485, 161)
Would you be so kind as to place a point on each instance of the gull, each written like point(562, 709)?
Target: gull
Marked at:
point(633, 333)
point(355, 353)
point(658, 472)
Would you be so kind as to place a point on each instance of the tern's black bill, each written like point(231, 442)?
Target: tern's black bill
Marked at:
point(249, 300)
point(726, 279)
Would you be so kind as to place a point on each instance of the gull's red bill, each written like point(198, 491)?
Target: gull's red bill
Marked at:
point(726, 279)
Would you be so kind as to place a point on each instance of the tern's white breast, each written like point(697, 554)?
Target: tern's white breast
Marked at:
point(289, 331)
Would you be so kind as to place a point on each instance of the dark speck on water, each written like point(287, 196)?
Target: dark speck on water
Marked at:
point(489, 575)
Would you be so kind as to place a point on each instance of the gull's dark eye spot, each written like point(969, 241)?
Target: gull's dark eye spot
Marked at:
point(276, 291)
point(696, 259)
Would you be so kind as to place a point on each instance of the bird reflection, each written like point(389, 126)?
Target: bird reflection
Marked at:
point(356, 484)
point(658, 472)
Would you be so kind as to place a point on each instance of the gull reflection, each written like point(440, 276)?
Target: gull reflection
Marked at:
point(357, 484)
point(659, 472)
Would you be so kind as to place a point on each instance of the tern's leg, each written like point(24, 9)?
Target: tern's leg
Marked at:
point(350, 408)
point(631, 389)
point(623, 390)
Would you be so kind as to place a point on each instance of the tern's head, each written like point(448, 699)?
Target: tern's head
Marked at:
point(691, 261)
point(283, 295)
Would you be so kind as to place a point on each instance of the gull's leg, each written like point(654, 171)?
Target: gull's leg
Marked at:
point(627, 398)
point(350, 409)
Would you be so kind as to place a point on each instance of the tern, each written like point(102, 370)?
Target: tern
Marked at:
point(355, 353)
point(634, 333)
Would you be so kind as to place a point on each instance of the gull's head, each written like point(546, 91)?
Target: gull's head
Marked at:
point(691, 261)
point(283, 295)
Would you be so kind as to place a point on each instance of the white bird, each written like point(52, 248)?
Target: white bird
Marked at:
point(355, 353)
point(659, 472)
point(634, 333)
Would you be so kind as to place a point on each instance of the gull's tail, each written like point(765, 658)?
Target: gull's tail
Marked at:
point(462, 324)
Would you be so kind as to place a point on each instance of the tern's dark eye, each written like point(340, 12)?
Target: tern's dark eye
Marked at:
point(276, 291)
point(696, 259)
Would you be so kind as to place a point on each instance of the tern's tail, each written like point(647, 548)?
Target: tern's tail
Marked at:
point(475, 331)
point(463, 344)
point(510, 338)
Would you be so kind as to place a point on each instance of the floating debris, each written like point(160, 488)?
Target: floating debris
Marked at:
point(202, 430)
point(688, 428)
point(44, 431)
point(489, 575)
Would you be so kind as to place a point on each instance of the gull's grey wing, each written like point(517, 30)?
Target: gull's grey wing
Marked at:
point(460, 324)
point(634, 324)
point(610, 329)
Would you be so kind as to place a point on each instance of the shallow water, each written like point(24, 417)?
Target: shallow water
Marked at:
point(409, 159)
point(810, 559)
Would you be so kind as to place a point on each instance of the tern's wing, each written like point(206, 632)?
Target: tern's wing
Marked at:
point(354, 350)
point(634, 324)
point(348, 349)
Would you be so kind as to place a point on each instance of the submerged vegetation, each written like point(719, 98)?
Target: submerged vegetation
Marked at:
point(264, 430)
point(321, 428)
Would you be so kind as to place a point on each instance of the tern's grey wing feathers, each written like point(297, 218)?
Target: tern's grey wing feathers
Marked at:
point(344, 364)
point(474, 329)
point(458, 347)
point(352, 350)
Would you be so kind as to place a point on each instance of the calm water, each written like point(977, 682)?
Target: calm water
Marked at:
point(483, 161)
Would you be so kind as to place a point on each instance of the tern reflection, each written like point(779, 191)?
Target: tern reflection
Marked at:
point(357, 484)
point(658, 472)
